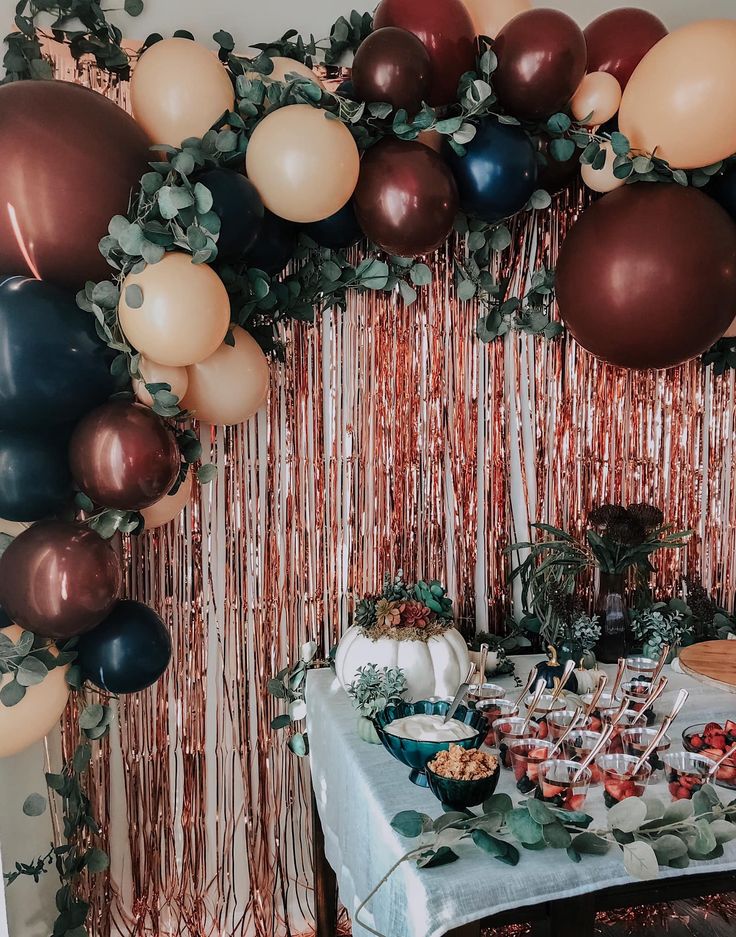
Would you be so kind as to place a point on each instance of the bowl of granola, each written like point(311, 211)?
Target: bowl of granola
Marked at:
point(460, 777)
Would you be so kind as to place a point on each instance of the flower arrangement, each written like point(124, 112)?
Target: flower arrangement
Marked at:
point(375, 688)
point(620, 538)
point(405, 611)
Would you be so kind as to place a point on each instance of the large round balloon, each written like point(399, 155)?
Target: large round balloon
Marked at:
point(59, 579)
point(232, 384)
point(128, 652)
point(392, 65)
point(406, 197)
point(446, 30)
point(240, 210)
point(337, 232)
point(541, 62)
point(34, 474)
point(498, 173)
point(619, 39)
point(38, 712)
point(53, 368)
point(303, 164)
point(490, 15)
point(603, 179)
point(679, 100)
point(124, 456)
point(597, 99)
point(274, 246)
point(647, 276)
point(57, 194)
point(179, 89)
point(283, 67)
point(168, 507)
point(153, 373)
point(182, 315)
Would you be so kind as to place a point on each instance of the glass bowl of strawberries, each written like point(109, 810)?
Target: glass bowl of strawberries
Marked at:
point(713, 740)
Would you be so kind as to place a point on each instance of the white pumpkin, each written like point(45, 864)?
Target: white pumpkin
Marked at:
point(435, 667)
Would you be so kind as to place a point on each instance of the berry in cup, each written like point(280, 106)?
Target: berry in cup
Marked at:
point(526, 755)
point(559, 721)
point(508, 728)
point(713, 741)
point(543, 708)
point(685, 773)
point(556, 784)
point(577, 748)
point(637, 740)
point(620, 780)
point(493, 710)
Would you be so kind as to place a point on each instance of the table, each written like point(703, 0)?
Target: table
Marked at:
point(358, 788)
point(712, 662)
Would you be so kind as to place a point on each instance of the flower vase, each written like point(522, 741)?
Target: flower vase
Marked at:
point(610, 606)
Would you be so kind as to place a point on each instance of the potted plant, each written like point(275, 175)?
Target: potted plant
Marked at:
point(660, 624)
point(409, 626)
point(371, 692)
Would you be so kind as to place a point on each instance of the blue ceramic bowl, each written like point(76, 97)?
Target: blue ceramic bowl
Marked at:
point(415, 754)
point(462, 794)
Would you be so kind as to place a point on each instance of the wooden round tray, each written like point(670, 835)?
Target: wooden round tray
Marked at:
point(712, 662)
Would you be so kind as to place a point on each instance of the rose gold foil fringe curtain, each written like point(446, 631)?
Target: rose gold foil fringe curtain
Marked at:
point(392, 437)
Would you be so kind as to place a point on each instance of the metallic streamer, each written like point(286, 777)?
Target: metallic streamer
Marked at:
point(392, 437)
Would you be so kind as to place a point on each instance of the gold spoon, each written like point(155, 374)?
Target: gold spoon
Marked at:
point(571, 727)
point(717, 765)
point(659, 734)
point(597, 693)
point(540, 688)
point(619, 676)
point(527, 686)
point(603, 740)
point(569, 667)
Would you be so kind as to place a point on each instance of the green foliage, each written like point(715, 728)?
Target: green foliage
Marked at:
point(28, 660)
point(375, 688)
point(289, 685)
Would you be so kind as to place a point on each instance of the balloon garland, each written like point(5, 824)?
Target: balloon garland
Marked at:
point(458, 116)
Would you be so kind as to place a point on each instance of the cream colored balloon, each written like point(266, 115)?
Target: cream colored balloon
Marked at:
point(185, 312)
point(597, 99)
point(37, 713)
point(232, 384)
point(178, 90)
point(154, 373)
point(170, 506)
point(602, 180)
point(680, 98)
point(13, 528)
point(283, 66)
point(304, 165)
point(490, 15)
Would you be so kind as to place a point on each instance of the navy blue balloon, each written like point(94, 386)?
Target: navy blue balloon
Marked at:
point(235, 200)
point(53, 367)
point(498, 173)
point(723, 189)
point(346, 90)
point(34, 474)
point(274, 246)
point(337, 232)
point(5, 621)
point(126, 652)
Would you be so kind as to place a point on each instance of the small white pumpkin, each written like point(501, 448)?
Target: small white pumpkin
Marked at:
point(435, 667)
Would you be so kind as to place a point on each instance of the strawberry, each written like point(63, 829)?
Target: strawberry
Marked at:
point(551, 790)
point(730, 727)
point(711, 729)
point(683, 794)
point(595, 724)
point(726, 773)
point(696, 741)
point(718, 740)
point(674, 788)
point(688, 781)
point(714, 753)
point(574, 801)
point(543, 730)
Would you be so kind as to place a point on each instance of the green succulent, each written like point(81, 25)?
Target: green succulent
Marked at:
point(365, 614)
point(434, 595)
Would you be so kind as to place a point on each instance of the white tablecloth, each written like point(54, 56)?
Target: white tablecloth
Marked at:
point(359, 787)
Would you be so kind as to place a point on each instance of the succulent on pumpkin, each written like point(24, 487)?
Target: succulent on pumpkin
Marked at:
point(388, 613)
point(394, 587)
point(416, 615)
point(365, 614)
point(434, 596)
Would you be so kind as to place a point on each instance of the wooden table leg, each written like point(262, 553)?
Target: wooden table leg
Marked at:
point(325, 881)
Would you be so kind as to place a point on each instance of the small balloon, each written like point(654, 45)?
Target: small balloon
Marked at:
point(406, 198)
point(238, 206)
point(304, 165)
point(283, 67)
point(170, 506)
point(53, 367)
point(128, 652)
point(50, 230)
point(122, 455)
point(153, 373)
point(34, 474)
point(275, 245)
point(661, 259)
point(603, 179)
point(179, 89)
point(232, 384)
point(337, 232)
point(597, 99)
point(59, 579)
point(490, 15)
point(541, 62)
point(679, 100)
point(445, 29)
point(619, 39)
point(40, 709)
point(498, 172)
point(392, 66)
point(179, 313)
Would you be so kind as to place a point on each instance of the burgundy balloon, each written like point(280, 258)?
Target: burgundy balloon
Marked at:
point(123, 456)
point(618, 40)
point(392, 65)
point(57, 191)
point(446, 30)
point(59, 579)
point(406, 197)
point(541, 61)
point(647, 276)
point(554, 175)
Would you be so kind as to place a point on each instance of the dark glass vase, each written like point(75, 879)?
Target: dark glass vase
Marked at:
point(610, 606)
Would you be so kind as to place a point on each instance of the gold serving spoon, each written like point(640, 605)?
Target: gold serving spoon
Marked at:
point(539, 690)
point(666, 723)
point(527, 686)
point(717, 765)
point(568, 731)
point(602, 741)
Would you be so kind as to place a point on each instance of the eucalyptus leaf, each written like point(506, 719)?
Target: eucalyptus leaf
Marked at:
point(34, 805)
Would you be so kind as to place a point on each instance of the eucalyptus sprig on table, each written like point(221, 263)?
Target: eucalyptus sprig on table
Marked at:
point(374, 688)
point(646, 832)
